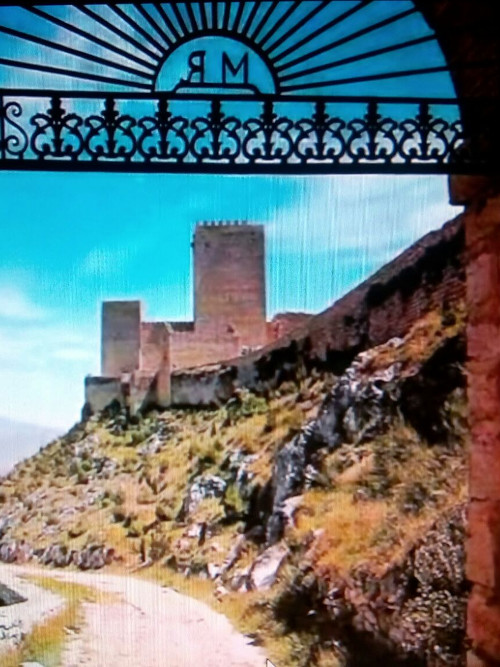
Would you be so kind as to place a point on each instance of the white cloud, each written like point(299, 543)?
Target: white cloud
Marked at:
point(74, 354)
point(102, 261)
point(16, 305)
point(111, 260)
point(44, 357)
point(367, 212)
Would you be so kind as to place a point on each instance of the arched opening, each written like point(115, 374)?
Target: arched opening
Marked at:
point(56, 136)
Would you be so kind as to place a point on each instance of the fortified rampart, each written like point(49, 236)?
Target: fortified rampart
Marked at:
point(138, 357)
point(429, 275)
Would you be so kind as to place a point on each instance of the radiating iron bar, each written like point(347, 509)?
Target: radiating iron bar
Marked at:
point(371, 77)
point(73, 52)
point(117, 31)
point(279, 21)
point(177, 12)
point(192, 17)
point(135, 26)
point(73, 73)
point(357, 58)
point(168, 21)
point(226, 15)
point(265, 18)
point(339, 42)
point(251, 15)
point(215, 15)
point(157, 28)
point(203, 15)
point(284, 99)
point(87, 35)
point(319, 8)
point(237, 18)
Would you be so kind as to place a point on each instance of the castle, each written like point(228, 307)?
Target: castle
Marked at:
point(137, 357)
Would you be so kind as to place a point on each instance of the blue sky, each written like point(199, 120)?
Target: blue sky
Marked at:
point(71, 240)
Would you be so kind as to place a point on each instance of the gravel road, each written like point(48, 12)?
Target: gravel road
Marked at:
point(146, 625)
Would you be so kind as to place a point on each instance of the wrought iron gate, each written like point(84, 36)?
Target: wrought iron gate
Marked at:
point(239, 87)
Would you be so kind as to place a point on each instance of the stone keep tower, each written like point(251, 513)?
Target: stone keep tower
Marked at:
point(229, 290)
point(121, 337)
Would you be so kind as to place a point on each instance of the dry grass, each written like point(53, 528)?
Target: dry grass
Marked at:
point(45, 643)
point(347, 528)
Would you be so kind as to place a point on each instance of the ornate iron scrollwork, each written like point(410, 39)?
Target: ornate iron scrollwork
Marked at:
point(163, 136)
point(268, 138)
point(60, 131)
point(111, 135)
point(337, 135)
point(372, 138)
point(216, 137)
point(14, 140)
point(321, 137)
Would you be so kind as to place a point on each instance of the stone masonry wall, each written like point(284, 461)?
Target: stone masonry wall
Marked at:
point(284, 323)
point(195, 348)
point(229, 291)
point(121, 337)
point(155, 343)
point(483, 549)
point(430, 274)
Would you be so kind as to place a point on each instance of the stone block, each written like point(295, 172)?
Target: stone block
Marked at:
point(484, 461)
point(483, 282)
point(484, 391)
point(473, 660)
point(483, 340)
point(483, 547)
point(483, 625)
point(482, 225)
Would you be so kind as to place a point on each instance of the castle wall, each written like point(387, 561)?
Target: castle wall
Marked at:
point(429, 275)
point(229, 291)
point(199, 347)
point(155, 344)
point(121, 337)
point(284, 323)
point(102, 391)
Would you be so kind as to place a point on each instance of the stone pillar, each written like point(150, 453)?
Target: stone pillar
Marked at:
point(482, 220)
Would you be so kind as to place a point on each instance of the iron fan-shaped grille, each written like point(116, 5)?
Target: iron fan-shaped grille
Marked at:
point(335, 86)
point(329, 47)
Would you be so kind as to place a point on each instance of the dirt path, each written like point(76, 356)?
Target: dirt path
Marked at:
point(146, 625)
point(18, 619)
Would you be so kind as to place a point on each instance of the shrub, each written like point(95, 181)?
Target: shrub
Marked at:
point(246, 404)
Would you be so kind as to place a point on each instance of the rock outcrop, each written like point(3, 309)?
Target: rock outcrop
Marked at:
point(362, 404)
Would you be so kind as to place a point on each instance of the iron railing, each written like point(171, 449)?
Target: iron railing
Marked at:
point(230, 134)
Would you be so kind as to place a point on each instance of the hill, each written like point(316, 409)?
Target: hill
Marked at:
point(323, 516)
point(19, 440)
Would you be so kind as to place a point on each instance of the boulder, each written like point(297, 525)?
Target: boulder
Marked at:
point(8, 596)
point(202, 487)
point(15, 552)
point(57, 555)
point(94, 557)
point(265, 568)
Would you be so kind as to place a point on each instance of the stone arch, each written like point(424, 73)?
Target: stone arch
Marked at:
point(468, 34)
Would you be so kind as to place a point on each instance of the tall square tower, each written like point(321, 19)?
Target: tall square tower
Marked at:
point(121, 337)
point(229, 274)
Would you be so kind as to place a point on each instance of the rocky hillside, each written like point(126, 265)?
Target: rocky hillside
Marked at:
point(325, 517)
